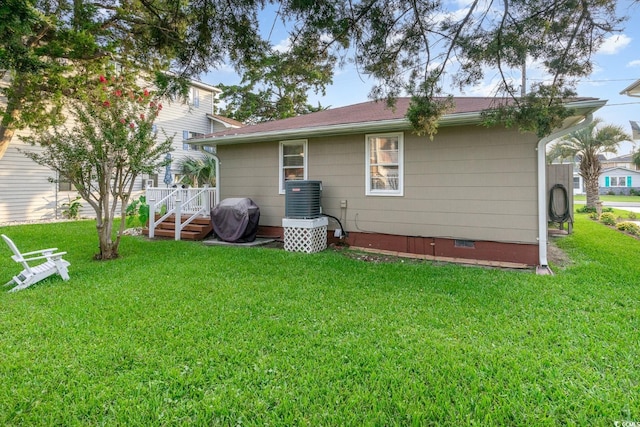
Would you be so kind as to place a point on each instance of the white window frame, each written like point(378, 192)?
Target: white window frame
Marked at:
point(186, 136)
point(281, 176)
point(194, 97)
point(617, 179)
point(377, 192)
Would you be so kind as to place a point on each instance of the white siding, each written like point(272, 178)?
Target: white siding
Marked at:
point(26, 193)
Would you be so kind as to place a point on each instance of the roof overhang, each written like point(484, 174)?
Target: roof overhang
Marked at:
point(632, 90)
point(580, 108)
point(227, 125)
point(205, 86)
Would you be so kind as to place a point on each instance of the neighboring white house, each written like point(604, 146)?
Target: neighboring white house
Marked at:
point(29, 191)
point(619, 180)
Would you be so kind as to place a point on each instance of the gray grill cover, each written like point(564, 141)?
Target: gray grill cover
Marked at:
point(236, 220)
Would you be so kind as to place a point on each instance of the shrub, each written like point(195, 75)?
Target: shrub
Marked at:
point(608, 218)
point(632, 215)
point(629, 227)
point(587, 209)
point(72, 208)
point(138, 212)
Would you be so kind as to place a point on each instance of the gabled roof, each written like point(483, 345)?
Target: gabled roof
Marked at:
point(626, 170)
point(225, 121)
point(632, 90)
point(624, 158)
point(368, 116)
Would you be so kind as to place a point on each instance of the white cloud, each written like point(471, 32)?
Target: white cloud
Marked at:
point(614, 44)
point(634, 63)
point(283, 45)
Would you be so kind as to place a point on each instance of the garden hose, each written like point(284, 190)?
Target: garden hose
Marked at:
point(554, 216)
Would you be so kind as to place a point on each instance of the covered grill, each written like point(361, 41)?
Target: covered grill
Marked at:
point(236, 220)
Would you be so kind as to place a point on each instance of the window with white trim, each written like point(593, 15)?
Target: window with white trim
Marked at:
point(293, 161)
point(194, 97)
point(384, 164)
point(186, 135)
point(617, 181)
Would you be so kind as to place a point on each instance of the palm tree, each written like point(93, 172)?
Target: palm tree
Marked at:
point(198, 171)
point(587, 144)
point(559, 151)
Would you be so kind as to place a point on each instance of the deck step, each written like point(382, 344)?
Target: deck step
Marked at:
point(197, 229)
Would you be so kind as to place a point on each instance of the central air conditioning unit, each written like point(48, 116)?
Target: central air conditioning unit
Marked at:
point(305, 228)
point(302, 199)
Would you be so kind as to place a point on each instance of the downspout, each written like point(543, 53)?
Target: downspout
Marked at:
point(543, 267)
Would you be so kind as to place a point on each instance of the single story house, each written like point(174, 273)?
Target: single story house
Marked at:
point(472, 192)
point(619, 180)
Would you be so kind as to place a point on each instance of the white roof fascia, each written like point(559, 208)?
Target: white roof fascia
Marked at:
point(632, 90)
point(222, 122)
point(205, 86)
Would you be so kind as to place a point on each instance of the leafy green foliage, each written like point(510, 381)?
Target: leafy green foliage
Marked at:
point(424, 114)
point(588, 144)
point(179, 333)
point(589, 209)
point(417, 48)
point(629, 227)
point(608, 218)
point(71, 209)
point(276, 86)
point(198, 171)
point(47, 48)
point(107, 146)
point(540, 111)
point(137, 212)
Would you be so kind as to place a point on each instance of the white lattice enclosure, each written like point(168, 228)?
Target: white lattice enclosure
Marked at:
point(305, 235)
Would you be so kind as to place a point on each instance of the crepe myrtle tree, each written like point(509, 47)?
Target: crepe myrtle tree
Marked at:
point(106, 145)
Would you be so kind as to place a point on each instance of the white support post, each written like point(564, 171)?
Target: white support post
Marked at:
point(178, 218)
point(152, 218)
point(206, 199)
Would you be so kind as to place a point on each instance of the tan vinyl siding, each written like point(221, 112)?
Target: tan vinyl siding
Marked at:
point(468, 183)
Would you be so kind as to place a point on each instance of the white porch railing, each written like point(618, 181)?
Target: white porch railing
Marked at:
point(179, 201)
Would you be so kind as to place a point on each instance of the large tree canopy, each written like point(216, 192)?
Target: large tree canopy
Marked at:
point(48, 46)
point(422, 48)
point(277, 87)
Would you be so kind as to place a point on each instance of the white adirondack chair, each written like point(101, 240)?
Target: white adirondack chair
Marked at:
point(53, 264)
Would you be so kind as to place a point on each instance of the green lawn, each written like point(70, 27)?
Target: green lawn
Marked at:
point(176, 333)
point(606, 198)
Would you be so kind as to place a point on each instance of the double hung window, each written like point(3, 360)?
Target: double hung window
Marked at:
point(293, 161)
point(384, 164)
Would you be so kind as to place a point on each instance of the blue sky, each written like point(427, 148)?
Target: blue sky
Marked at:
point(616, 66)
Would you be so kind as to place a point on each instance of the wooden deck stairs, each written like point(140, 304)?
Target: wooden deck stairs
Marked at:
point(198, 229)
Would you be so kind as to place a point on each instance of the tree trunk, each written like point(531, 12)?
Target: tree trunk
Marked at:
point(12, 113)
point(5, 139)
point(593, 191)
point(108, 248)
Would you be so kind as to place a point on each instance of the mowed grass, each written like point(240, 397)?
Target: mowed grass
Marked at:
point(177, 333)
point(609, 198)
